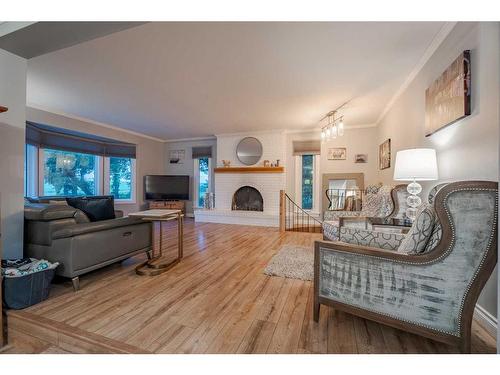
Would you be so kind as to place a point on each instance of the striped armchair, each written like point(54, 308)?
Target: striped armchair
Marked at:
point(387, 203)
point(426, 282)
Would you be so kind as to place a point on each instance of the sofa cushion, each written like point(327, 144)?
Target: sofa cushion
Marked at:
point(96, 208)
point(436, 235)
point(416, 239)
point(379, 204)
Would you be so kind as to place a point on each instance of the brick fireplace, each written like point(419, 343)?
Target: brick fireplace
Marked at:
point(267, 185)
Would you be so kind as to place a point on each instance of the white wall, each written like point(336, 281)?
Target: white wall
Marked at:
point(187, 167)
point(273, 147)
point(12, 134)
point(149, 153)
point(467, 149)
point(355, 140)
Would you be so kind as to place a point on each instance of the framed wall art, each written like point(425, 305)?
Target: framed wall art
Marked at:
point(361, 158)
point(177, 156)
point(338, 153)
point(384, 155)
point(448, 98)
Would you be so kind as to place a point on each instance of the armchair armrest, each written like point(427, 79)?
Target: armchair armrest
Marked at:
point(374, 239)
point(360, 250)
point(335, 215)
point(357, 221)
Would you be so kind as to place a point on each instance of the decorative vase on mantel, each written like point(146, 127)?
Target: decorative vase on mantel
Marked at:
point(209, 201)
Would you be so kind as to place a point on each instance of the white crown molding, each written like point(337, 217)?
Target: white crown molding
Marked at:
point(249, 133)
point(193, 139)
point(104, 125)
point(436, 42)
point(318, 129)
point(290, 131)
point(10, 27)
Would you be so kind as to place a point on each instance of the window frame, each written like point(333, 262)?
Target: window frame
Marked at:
point(196, 176)
point(98, 176)
point(106, 177)
point(316, 183)
point(31, 156)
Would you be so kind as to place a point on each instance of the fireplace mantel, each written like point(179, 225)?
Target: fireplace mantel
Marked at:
point(249, 170)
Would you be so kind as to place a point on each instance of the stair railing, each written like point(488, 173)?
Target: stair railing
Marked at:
point(295, 219)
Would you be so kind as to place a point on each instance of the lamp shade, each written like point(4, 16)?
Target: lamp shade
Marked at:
point(418, 164)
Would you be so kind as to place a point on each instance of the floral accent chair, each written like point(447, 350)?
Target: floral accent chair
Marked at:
point(427, 281)
point(379, 202)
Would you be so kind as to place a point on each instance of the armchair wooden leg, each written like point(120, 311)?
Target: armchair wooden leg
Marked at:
point(76, 283)
point(316, 311)
point(149, 254)
point(465, 346)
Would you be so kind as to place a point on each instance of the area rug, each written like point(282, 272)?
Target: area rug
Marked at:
point(293, 262)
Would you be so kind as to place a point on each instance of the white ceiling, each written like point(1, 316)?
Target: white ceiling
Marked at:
point(180, 80)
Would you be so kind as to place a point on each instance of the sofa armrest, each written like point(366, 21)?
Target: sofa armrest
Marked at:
point(374, 239)
point(48, 212)
point(97, 226)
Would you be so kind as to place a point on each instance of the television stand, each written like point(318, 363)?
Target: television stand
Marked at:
point(168, 204)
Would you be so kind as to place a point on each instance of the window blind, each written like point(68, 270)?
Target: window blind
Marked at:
point(45, 136)
point(202, 152)
point(306, 147)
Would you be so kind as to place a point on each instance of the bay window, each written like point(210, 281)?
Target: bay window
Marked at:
point(64, 163)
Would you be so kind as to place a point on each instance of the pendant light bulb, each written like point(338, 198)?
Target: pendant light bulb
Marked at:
point(341, 128)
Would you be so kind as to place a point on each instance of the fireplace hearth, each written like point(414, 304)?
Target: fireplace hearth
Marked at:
point(247, 198)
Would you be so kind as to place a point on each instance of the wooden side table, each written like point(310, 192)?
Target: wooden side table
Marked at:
point(169, 205)
point(156, 265)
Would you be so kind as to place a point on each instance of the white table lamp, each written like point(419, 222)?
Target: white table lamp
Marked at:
point(417, 164)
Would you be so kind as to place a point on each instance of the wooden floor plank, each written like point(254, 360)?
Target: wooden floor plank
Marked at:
point(287, 333)
point(341, 336)
point(314, 336)
point(257, 338)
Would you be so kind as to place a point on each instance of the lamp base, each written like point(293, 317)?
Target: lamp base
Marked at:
point(413, 199)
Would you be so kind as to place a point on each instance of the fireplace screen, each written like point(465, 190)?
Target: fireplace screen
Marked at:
point(247, 198)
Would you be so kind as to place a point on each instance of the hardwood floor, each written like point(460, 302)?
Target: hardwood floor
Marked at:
point(217, 300)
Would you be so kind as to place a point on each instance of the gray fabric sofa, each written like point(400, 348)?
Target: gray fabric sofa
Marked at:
point(61, 233)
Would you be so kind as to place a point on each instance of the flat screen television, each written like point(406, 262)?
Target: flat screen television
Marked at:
point(159, 187)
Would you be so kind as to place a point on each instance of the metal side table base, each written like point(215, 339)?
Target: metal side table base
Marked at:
point(154, 266)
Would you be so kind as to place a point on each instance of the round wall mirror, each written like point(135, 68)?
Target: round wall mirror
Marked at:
point(249, 150)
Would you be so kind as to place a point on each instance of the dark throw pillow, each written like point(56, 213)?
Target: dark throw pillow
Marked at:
point(96, 208)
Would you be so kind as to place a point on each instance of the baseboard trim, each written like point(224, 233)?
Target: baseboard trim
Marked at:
point(486, 320)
